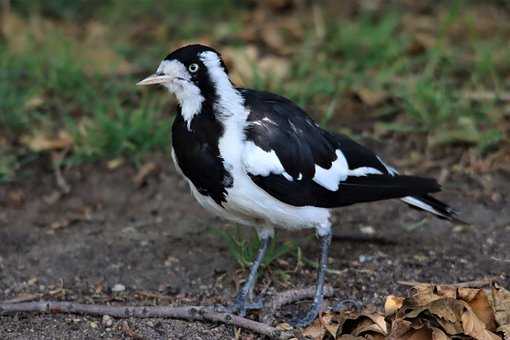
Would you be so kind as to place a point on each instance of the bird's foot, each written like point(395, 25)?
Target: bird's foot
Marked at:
point(314, 310)
point(307, 318)
point(242, 305)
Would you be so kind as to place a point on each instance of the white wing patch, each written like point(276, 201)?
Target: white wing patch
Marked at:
point(258, 162)
point(339, 171)
point(391, 170)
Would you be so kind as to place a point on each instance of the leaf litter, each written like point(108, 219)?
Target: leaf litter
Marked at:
point(437, 312)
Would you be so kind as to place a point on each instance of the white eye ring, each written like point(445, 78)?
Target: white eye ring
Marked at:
point(193, 68)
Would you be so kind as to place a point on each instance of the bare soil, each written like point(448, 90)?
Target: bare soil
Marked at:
point(157, 242)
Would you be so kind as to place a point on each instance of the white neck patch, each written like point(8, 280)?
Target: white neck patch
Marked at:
point(187, 93)
point(230, 102)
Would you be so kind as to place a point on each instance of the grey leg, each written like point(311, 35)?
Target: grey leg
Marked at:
point(244, 294)
point(325, 242)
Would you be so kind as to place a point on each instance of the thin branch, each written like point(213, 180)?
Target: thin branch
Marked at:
point(293, 295)
point(191, 313)
point(486, 95)
point(468, 284)
point(59, 178)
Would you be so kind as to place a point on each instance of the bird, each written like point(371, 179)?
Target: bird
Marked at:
point(257, 159)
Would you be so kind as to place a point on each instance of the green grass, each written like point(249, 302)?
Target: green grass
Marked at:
point(244, 250)
point(114, 131)
point(58, 79)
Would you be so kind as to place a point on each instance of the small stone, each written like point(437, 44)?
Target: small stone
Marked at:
point(107, 321)
point(150, 324)
point(93, 324)
point(365, 258)
point(367, 230)
point(118, 287)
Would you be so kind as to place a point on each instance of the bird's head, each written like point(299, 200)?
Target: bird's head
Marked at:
point(189, 72)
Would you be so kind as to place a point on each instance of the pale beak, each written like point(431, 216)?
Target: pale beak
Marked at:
point(155, 79)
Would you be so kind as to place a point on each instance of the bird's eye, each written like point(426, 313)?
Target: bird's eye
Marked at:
point(193, 68)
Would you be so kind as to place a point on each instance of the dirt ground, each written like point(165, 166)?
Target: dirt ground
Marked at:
point(157, 242)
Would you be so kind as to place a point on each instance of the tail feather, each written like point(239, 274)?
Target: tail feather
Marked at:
point(434, 206)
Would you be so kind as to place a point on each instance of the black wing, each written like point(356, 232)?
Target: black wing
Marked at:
point(277, 124)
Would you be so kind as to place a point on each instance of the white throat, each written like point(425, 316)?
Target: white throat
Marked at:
point(188, 94)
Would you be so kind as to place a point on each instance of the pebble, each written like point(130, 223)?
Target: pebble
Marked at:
point(365, 258)
point(107, 321)
point(118, 287)
point(367, 230)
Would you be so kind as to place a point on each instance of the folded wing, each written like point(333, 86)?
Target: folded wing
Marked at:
point(289, 156)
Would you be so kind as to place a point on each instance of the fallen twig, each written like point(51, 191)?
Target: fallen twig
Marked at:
point(468, 284)
point(191, 313)
point(293, 295)
point(59, 178)
point(487, 95)
point(22, 298)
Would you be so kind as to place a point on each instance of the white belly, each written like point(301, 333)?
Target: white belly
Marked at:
point(249, 205)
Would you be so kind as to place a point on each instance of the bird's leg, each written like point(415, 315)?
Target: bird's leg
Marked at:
point(325, 242)
point(240, 302)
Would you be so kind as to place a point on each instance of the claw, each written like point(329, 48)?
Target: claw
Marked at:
point(307, 319)
point(241, 307)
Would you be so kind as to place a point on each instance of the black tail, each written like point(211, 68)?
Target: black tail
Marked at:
point(434, 206)
point(381, 187)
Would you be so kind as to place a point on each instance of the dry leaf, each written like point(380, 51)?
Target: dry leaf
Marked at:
point(420, 334)
point(365, 325)
point(43, 142)
point(392, 304)
point(399, 327)
point(423, 295)
point(446, 291)
point(242, 60)
point(501, 305)
point(329, 323)
point(378, 321)
point(431, 312)
point(476, 328)
point(277, 67)
point(438, 334)
point(114, 163)
point(505, 329)
point(315, 331)
point(447, 309)
point(483, 310)
point(146, 170)
point(371, 97)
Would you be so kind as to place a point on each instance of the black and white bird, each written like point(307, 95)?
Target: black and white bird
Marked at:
point(257, 159)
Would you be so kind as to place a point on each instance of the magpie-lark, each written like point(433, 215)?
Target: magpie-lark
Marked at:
point(257, 159)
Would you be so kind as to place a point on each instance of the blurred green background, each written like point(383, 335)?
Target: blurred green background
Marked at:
point(434, 72)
